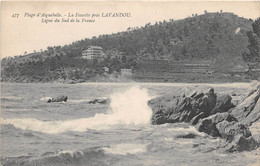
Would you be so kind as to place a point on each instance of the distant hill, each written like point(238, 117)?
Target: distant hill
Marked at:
point(218, 37)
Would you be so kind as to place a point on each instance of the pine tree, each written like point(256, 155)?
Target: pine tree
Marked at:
point(254, 44)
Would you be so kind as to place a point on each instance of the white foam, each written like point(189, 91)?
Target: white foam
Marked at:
point(68, 152)
point(45, 98)
point(126, 148)
point(127, 108)
point(11, 98)
point(189, 130)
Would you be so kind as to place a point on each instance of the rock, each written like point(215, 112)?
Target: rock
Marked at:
point(246, 107)
point(208, 125)
point(254, 115)
point(214, 115)
point(242, 143)
point(196, 118)
point(98, 101)
point(190, 135)
point(228, 130)
point(233, 94)
point(223, 104)
point(171, 109)
point(255, 130)
point(58, 99)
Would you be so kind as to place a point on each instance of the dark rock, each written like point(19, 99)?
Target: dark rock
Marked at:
point(98, 101)
point(58, 99)
point(196, 118)
point(255, 130)
point(246, 107)
point(208, 125)
point(254, 115)
point(190, 135)
point(233, 94)
point(228, 130)
point(213, 115)
point(241, 143)
point(171, 109)
point(223, 104)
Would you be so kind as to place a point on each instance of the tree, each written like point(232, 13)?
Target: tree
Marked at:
point(254, 44)
point(123, 59)
point(256, 27)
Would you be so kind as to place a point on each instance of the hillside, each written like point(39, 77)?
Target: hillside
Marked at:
point(217, 37)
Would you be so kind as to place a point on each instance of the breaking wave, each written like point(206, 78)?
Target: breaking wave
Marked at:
point(126, 148)
point(127, 108)
point(45, 98)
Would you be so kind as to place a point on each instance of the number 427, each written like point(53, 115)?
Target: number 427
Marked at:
point(15, 15)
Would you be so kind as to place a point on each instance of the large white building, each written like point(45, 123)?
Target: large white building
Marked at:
point(93, 52)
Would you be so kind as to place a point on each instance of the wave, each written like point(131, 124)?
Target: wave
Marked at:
point(126, 148)
point(127, 108)
point(11, 98)
point(90, 156)
point(45, 98)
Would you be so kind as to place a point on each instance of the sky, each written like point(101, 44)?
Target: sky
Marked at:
point(28, 34)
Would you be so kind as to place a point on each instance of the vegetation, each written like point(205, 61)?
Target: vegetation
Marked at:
point(211, 36)
point(254, 44)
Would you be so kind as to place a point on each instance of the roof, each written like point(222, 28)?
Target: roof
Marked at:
point(96, 47)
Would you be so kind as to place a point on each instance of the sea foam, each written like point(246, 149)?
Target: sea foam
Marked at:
point(126, 148)
point(126, 108)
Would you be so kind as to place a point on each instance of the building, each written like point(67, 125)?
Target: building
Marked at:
point(93, 52)
point(126, 72)
point(114, 53)
point(106, 69)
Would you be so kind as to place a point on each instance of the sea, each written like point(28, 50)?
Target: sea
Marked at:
point(117, 133)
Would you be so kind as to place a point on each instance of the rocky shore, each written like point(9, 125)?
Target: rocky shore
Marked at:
point(214, 114)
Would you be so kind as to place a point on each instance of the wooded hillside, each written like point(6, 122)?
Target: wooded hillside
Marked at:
point(219, 37)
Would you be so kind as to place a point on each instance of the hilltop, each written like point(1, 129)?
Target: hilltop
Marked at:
point(217, 37)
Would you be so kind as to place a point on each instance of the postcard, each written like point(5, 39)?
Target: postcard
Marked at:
point(151, 83)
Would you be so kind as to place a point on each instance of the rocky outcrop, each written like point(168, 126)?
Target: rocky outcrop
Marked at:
point(254, 114)
point(238, 136)
point(223, 104)
point(213, 114)
point(196, 118)
point(58, 99)
point(198, 104)
point(241, 143)
point(255, 130)
point(228, 130)
point(98, 101)
point(171, 109)
point(248, 110)
point(208, 125)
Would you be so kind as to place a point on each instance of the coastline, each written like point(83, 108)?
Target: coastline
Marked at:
point(212, 80)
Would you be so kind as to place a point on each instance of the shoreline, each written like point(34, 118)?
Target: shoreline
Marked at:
point(126, 80)
point(132, 81)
